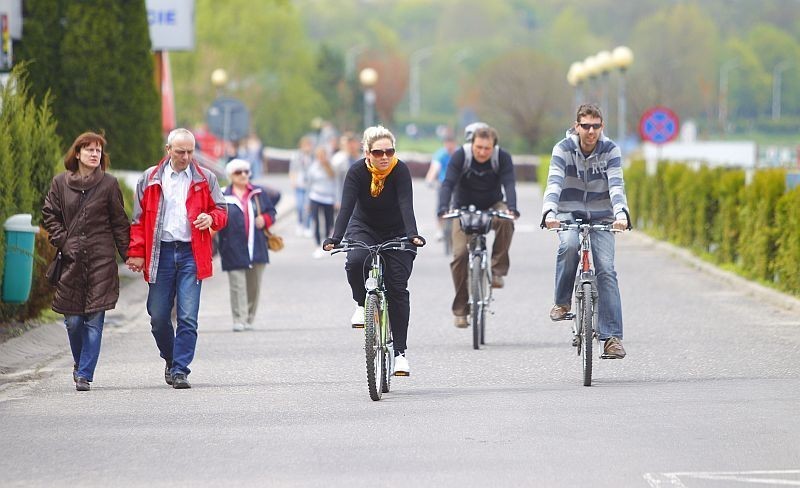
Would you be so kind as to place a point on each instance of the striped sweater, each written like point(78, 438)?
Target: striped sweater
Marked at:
point(590, 188)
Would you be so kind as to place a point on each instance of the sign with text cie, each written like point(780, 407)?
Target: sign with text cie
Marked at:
point(171, 24)
point(659, 125)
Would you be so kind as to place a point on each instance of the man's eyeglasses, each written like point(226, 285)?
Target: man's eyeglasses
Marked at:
point(378, 153)
point(590, 126)
point(242, 172)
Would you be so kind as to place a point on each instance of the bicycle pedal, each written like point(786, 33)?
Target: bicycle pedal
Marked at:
point(358, 326)
point(402, 373)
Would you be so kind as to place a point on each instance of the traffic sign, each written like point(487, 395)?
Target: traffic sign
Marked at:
point(659, 125)
point(228, 119)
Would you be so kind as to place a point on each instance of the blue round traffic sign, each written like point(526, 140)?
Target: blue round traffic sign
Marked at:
point(659, 125)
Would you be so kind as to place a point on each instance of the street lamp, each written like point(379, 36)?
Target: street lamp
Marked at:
point(415, 94)
point(603, 64)
point(777, 72)
point(622, 58)
point(726, 67)
point(368, 78)
point(219, 78)
point(575, 77)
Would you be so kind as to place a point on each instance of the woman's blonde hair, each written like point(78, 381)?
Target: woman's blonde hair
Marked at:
point(372, 134)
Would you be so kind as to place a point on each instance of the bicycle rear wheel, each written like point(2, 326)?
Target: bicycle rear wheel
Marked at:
point(587, 332)
point(476, 300)
point(372, 346)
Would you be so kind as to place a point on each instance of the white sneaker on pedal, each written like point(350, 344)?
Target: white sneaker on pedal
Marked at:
point(357, 320)
point(401, 365)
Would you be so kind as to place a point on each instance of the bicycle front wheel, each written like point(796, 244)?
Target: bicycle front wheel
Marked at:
point(587, 332)
point(372, 346)
point(476, 300)
point(388, 354)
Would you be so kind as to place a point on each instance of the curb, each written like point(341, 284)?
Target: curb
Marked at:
point(751, 288)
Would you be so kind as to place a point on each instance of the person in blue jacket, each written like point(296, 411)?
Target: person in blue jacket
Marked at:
point(242, 243)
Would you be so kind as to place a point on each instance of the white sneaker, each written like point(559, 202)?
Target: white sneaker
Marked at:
point(357, 320)
point(319, 253)
point(238, 327)
point(248, 326)
point(401, 365)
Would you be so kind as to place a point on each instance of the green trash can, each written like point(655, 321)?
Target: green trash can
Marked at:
point(18, 271)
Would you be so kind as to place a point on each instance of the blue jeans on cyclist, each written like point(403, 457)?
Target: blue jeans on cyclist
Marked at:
point(396, 272)
point(567, 261)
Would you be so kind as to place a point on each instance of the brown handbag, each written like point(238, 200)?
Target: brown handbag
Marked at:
point(274, 241)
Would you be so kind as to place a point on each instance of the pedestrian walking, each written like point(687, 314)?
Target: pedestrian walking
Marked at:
point(176, 206)
point(321, 197)
point(85, 218)
point(242, 243)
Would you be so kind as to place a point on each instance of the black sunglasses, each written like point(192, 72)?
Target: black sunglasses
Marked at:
point(378, 153)
point(242, 172)
point(590, 126)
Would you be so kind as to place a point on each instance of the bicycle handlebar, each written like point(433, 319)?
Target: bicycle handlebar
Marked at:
point(581, 226)
point(396, 244)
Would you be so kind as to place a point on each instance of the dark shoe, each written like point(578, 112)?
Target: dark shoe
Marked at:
point(497, 281)
point(168, 374)
point(74, 373)
point(559, 312)
point(179, 381)
point(82, 384)
point(461, 321)
point(613, 349)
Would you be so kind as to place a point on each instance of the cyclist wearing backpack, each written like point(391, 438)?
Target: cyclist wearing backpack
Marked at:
point(478, 174)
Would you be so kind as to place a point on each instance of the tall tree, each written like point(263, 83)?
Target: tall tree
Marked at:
point(94, 58)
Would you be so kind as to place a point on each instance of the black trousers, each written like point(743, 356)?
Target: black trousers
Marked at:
point(327, 211)
point(397, 266)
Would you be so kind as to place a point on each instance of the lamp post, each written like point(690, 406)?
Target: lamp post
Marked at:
point(415, 100)
point(368, 78)
point(622, 58)
point(591, 71)
point(777, 72)
point(604, 65)
point(726, 67)
point(219, 78)
point(575, 77)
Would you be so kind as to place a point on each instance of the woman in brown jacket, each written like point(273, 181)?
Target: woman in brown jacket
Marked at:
point(84, 214)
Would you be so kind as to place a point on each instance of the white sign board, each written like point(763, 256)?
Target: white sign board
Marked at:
point(742, 154)
point(171, 24)
point(13, 8)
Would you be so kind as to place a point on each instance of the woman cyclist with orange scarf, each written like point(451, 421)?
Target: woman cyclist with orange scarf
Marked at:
point(377, 205)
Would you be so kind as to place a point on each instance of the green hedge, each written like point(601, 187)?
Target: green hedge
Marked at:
point(29, 153)
point(752, 227)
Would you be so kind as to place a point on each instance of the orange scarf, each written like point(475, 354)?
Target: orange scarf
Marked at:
point(378, 177)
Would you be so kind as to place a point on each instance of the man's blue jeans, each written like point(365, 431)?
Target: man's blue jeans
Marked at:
point(85, 333)
point(610, 305)
point(176, 278)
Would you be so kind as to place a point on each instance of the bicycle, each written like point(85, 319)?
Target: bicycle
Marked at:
point(377, 331)
point(585, 295)
point(476, 224)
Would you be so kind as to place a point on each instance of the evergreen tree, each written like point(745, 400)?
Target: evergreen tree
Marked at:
point(94, 57)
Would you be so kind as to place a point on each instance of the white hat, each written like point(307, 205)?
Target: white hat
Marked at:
point(236, 165)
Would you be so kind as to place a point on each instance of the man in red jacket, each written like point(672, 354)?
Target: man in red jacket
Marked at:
point(177, 204)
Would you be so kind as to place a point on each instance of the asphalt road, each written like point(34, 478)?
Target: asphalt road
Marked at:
point(707, 397)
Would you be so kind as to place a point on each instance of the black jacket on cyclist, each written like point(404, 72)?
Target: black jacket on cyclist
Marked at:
point(480, 185)
point(390, 214)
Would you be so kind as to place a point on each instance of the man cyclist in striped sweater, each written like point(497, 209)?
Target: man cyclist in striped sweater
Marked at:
point(585, 182)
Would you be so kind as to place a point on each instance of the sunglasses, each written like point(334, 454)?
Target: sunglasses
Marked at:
point(590, 126)
point(242, 172)
point(379, 153)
